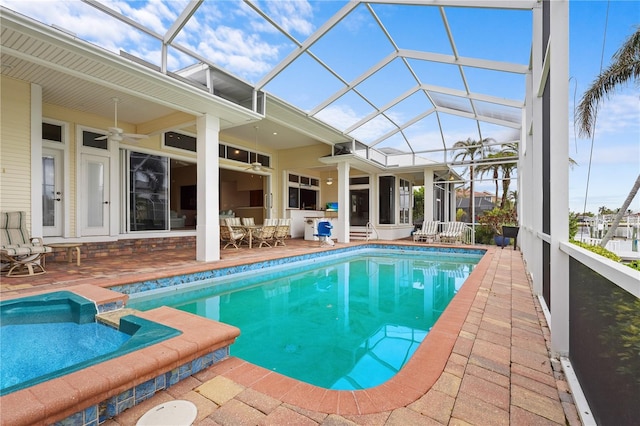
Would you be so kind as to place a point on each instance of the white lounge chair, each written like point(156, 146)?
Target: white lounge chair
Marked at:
point(429, 231)
point(453, 232)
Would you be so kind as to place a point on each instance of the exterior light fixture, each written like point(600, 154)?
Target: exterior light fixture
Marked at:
point(329, 181)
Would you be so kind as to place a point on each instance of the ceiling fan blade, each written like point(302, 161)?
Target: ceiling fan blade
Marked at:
point(135, 136)
point(101, 138)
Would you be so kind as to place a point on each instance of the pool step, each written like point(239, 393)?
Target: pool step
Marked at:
point(112, 318)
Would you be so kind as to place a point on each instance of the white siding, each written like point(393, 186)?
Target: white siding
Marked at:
point(15, 146)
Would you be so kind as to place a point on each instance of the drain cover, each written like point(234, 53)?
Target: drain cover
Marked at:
point(172, 413)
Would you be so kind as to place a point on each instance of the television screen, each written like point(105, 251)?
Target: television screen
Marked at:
point(332, 206)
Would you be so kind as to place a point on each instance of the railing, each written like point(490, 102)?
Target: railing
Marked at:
point(467, 236)
point(368, 228)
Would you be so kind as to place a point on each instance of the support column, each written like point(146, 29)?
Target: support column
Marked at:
point(36, 160)
point(531, 199)
point(428, 196)
point(208, 225)
point(559, 174)
point(343, 202)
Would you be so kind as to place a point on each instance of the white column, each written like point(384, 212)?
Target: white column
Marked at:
point(450, 212)
point(343, 202)
point(208, 223)
point(532, 196)
point(36, 160)
point(428, 195)
point(559, 174)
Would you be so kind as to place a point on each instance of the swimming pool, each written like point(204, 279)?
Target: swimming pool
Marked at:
point(49, 335)
point(345, 321)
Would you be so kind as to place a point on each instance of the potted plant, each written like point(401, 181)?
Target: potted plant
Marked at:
point(503, 223)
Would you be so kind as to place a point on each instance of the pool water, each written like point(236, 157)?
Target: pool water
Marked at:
point(40, 349)
point(341, 323)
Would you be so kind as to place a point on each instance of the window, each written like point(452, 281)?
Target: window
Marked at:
point(180, 141)
point(243, 155)
point(303, 192)
point(51, 132)
point(405, 200)
point(362, 180)
point(94, 140)
point(387, 199)
point(149, 193)
point(238, 154)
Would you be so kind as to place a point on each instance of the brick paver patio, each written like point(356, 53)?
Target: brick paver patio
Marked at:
point(498, 373)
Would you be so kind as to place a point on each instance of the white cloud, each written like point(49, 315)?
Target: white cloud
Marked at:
point(339, 116)
point(293, 15)
point(231, 48)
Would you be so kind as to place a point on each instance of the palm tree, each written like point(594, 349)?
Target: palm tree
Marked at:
point(509, 150)
point(471, 150)
point(624, 67)
point(494, 169)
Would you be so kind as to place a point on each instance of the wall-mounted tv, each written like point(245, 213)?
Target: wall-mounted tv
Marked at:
point(332, 206)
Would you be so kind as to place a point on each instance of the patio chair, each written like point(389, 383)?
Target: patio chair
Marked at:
point(453, 232)
point(324, 233)
point(236, 225)
point(282, 232)
point(229, 235)
point(264, 235)
point(22, 254)
point(248, 221)
point(429, 231)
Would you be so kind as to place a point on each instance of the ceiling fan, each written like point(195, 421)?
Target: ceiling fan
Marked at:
point(116, 134)
point(256, 166)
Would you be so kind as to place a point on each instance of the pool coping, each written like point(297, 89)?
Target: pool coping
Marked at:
point(414, 380)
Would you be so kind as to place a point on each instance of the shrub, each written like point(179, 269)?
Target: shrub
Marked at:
point(573, 225)
point(494, 219)
point(635, 264)
point(598, 250)
point(484, 235)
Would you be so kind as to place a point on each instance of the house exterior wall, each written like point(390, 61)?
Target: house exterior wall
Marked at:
point(15, 136)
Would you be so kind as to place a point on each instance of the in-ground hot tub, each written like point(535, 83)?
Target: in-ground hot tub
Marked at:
point(50, 335)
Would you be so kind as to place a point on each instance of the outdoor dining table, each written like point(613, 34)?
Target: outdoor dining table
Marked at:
point(249, 230)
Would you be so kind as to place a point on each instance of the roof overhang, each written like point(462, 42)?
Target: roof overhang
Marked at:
point(31, 50)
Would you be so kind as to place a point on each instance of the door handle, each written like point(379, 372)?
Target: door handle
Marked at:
point(58, 199)
point(106, 202)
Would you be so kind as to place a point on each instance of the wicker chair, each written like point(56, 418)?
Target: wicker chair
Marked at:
point(229, 235)
point(264, 235)
point(22, 254)
point(282, 232)
point(248, 221)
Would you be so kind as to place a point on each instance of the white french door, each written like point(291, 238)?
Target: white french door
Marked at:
point(95, 195)
point(52, 192)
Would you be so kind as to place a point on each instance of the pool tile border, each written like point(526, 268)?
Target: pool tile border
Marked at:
point(182, 279)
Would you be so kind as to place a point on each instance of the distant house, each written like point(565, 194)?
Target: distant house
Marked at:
point(483, 201)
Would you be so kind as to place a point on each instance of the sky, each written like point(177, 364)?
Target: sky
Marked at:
point(236, 39)
point(615, 160)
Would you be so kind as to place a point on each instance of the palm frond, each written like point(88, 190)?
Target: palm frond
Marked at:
point(625, 67)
